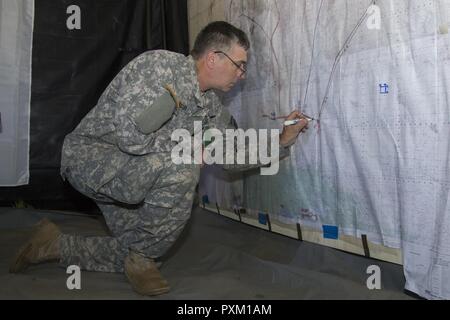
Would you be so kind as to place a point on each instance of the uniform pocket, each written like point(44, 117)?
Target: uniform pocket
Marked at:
point(155, 116)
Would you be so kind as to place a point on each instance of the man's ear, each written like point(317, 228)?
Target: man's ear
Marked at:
point(211, 60)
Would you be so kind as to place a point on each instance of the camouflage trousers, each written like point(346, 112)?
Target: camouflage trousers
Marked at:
point(146, 206)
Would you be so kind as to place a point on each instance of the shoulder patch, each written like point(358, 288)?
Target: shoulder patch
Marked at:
point(156, 115)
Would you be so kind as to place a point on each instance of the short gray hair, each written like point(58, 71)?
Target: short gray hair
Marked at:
point(219, 35)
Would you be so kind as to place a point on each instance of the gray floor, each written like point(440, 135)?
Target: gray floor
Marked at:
point(215, 259)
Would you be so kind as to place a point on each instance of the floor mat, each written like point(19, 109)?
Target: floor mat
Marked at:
point(214, 259)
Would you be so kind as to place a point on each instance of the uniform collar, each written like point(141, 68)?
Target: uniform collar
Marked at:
point(198, 95)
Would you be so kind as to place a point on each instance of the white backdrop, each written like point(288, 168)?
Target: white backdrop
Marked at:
point(378, 163)
point(16, 34)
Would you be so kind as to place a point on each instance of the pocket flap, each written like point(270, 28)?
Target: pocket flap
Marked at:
point(154, 116)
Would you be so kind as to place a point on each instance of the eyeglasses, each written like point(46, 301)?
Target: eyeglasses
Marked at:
point(242, 67)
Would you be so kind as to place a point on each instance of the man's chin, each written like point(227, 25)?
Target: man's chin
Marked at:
point(230, 86)
point(227, 88)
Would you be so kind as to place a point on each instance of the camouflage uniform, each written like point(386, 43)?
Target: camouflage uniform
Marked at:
point(145, 198)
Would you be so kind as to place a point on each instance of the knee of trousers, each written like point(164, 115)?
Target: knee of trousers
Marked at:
point(78, 184)
point(176, 190)
point(186, 178)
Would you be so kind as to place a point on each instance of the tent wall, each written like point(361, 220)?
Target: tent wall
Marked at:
point(16, 34)
point(72, 65)
point(375, 166)
point(200, 13)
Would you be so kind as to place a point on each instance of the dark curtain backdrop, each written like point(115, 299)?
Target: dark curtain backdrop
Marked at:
point(71, 68)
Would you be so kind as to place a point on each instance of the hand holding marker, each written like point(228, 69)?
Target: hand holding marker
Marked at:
point(294, 122)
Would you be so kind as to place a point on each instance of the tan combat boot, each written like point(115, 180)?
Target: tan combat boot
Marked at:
point(41, 247)
point(144, 275)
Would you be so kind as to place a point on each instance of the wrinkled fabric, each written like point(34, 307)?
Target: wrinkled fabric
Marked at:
point(149, 228)
point(107, 138)
point(145, 198)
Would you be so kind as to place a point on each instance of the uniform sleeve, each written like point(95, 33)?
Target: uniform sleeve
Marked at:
point(223, 121)
point(139, 96)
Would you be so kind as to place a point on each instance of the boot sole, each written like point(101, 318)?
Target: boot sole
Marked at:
point(155, 292)
point(20, 262)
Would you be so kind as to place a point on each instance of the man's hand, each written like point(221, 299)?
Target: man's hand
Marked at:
point(290, 133)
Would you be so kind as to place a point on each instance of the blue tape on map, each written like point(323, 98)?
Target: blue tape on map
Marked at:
point(331, 232)
point(262, 218)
